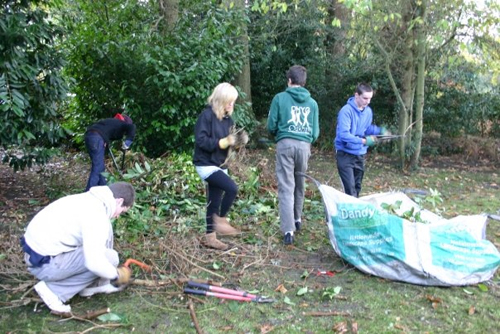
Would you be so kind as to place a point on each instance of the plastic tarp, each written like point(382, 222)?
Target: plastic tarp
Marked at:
point(440, 252)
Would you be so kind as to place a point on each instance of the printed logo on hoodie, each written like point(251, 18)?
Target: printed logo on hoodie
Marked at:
point(298, 122)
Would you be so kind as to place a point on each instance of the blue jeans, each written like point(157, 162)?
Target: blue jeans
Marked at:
point(95, 146)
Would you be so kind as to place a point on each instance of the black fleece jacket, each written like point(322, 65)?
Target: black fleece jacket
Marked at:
point(207, 132)
point(113, 129)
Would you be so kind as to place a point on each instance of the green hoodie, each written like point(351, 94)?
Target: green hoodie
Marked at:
point(294, 114)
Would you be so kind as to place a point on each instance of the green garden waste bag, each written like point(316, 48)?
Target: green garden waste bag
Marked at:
point(439, 252)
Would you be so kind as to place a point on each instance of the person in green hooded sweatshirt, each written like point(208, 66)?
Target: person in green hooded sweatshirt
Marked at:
point(294, 122)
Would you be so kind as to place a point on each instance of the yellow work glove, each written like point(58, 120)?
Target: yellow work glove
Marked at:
point(124, 275)
point(227, 141)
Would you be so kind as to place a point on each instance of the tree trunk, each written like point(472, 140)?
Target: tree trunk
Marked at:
point(420, 89)
point(242, 79)
point(340, 12)
point(169, 9)
point(407, 82)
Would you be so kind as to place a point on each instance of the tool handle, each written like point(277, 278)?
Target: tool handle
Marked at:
point(203, 286)
point(195, 292)
point(139, 263)
point(218, 295)
point(221, 290)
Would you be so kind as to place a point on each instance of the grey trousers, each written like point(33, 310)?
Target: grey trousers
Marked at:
point(66, 273)
point(291, 156)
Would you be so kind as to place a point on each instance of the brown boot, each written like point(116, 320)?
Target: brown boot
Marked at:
point(210, 240)
point(222, 227)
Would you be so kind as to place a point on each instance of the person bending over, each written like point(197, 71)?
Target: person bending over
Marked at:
point(68, 245)
point(99, 136)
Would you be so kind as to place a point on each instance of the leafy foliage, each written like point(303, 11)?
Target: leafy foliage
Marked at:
point(168, 187)
point(31, 86)
point(464, 102)
point(119, 55)
point(433, 198)
point(331, 292)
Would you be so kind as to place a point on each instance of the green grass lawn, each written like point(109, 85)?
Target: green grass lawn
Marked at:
point(348, 302)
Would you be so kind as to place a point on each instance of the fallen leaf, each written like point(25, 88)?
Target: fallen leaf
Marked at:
point(400, 327)
point(472, 310)
point(302, 291)
point(340, 327)
point(281, 288)
point(354, 327)
point(434, 299)
point(109, 317)
point(266, 329)
point(482, 287)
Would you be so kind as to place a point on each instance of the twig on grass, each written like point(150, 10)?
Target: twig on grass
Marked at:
point(89, 315)
point(197, 266)
point(101, 327)
point(171, 281)
point(158, 306)
point(327, 314)
point(19, 302)
point(151, 283)
point(193, 317)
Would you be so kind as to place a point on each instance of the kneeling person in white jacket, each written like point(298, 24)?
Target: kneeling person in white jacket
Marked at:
point(68, 245)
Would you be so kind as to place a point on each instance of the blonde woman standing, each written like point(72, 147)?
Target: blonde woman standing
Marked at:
point(212, 143)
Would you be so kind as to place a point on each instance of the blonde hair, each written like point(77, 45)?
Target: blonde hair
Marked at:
point(222, 95)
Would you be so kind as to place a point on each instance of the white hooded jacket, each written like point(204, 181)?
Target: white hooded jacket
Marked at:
point(81, 220)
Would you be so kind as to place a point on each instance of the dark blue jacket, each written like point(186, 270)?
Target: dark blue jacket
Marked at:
point(207, 132)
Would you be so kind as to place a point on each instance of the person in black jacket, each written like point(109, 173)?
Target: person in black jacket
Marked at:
point(98, 136)
point(212, 142)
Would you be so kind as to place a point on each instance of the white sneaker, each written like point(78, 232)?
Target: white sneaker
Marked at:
point(50, 299)
point(101, 288)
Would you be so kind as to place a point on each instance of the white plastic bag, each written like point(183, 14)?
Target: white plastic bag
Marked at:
point(442, 252)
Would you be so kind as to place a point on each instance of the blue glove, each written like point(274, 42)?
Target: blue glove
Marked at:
point(371, 140)
point(126, 144)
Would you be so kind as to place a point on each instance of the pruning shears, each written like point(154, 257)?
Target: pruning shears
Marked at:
point(224, 293)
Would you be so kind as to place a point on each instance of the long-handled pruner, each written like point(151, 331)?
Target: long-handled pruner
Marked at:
point(385, 137)
point(224, 293)
point(123, 159)
point(114, 161)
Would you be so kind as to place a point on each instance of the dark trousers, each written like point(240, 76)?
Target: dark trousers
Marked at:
point(351, 170)
point(96, 149)
point(221, 193)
